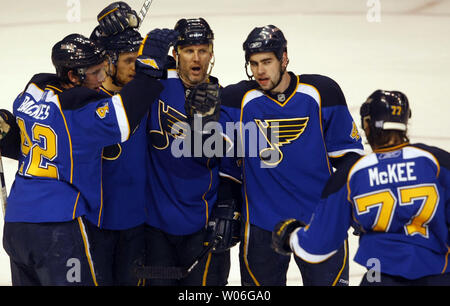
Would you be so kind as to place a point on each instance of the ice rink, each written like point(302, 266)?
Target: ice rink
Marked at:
point(364, 45)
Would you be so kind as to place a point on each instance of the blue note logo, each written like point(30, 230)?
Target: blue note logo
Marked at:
point(278, 133)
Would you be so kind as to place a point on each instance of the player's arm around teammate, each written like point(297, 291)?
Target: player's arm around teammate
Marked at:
point(64, 124)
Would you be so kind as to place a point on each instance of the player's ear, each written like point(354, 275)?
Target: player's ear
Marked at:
point(174, 53)
point(284, 60)
point(366, 126)
point(73, 78)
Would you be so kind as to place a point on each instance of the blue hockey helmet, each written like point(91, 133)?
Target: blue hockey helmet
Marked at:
point(386, 110)
point(193, 31)
point(76, 52)
point(268, 38)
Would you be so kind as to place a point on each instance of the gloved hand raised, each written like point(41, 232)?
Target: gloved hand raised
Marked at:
point(153, 53)
point(116, 17)
point(203, 101)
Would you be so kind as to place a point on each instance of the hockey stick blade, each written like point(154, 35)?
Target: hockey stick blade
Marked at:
point(160, 272)
point(171, 272)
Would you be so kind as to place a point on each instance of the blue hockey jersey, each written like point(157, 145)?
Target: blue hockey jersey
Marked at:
point(183, 188)
point(125, 180)
point(63, 133)
point(59, 176)
point(287, 143)
point(399, 200)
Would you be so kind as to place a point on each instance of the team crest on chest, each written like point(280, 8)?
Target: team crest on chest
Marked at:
point(279, 132)
point(171, 123)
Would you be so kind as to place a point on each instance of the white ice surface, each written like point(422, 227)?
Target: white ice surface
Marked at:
point(408, 50)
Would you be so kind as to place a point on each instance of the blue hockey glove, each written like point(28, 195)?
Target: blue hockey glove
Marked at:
point(116, 17)
point(152, 57)
point(281, 235)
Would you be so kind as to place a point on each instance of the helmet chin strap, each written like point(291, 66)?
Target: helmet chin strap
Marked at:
point(113, 76)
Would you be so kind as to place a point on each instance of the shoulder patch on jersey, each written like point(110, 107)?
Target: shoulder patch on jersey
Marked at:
point(329, 91)
point(355, 134)
point(102, 110)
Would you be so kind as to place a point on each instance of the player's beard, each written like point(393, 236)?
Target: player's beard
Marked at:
point(193, 80)
point(274, 83)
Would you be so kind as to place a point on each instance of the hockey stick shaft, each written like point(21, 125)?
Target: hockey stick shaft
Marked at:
point(144, 10)
point(3, 191)
point(162, 272)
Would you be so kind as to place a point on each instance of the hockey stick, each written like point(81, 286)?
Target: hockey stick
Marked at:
point(161, 272)
point(144, 10)
point(4, 195)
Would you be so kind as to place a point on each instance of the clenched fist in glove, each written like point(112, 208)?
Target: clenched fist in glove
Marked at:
point(224, 225)
point(203, 101)
point(282, 233)
point(116, 17)
point(153, 53)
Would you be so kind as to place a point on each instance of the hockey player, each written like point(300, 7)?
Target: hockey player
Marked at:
point(64, 124)
point(304, 129)
point(396, 196)
point(118, 244)
point(184, 189)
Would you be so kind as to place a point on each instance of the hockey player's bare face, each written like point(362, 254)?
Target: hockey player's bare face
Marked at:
point(95, 76)
point(266, 70)
point(126, 67)
point(193, 63)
